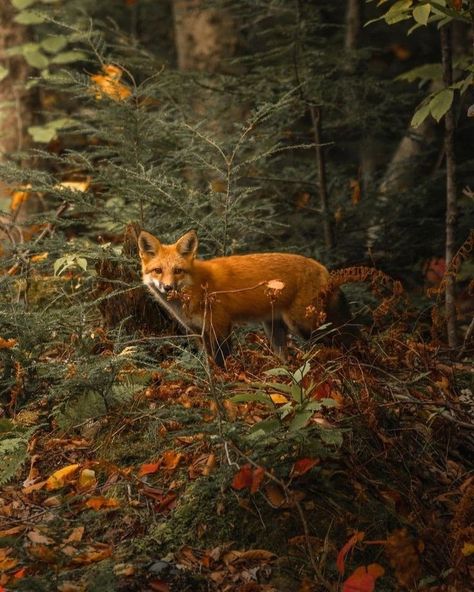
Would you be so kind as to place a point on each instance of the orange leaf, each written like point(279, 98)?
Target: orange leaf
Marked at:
point(243, 478)
point(110, 85)
point(99, 502)
point(147, 469)
point(58, 478)
point(159, 586)
point(7, 343)
point(341, 556)
point(93, 553)
point(363, 578)
point(303, 465)
point(19, 574)
point(257, 477)
point(171, 459)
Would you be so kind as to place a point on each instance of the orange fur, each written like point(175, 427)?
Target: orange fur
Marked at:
point(278, 289)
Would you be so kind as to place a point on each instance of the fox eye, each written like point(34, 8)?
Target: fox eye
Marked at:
point(178, 270)
point(157, 270)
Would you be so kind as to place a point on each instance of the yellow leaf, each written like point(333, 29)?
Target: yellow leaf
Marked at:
point(75, 185)
point(277, 398)
point(39, 257)
point(468, 549)
point(86, 479)
point(110, 85)
point(58, 478)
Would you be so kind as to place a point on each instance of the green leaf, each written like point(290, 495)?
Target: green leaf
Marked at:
point(333, 437)
point(36, 59)
point(300, 420)
point(420, 115)
point(29, 17)
point(258, 397)
point(424, 73)
point(327, 402)
point(277, 372)
point(60, 123)
point(82, 262)
point(398, 12)
point(67, 57)
point(3, 72)
point(264, 427)
point(421, 13)
point(21, 4)
point(301, 372)
point(54, 43)
point(43, 134)
point(441, 103)
point(297, 392)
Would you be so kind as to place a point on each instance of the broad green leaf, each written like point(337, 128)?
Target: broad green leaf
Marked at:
point(277, 386)
point(333, 437)
point(36, 59)
point(301, 372)
point(29, 17)
point(421, 13)
point(60, 122)
point(3, 72)
point(398, 12)
point(54, 43)
point(43, 134)
point(424, 73)
point(297, 392)
point(420, 115)
point(257, 397)
point(67, 57)
point(441, 103)
point(264, 427)
point(327, 402)
point(21, 4)
point(277, 372)
point(82, 262)
point(300, 420)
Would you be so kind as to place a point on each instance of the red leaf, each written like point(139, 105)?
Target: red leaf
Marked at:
point(363, 578)
point(303, 465)
point(341, 556)
point(243, 478)
point(257, 478)
point(147, 469)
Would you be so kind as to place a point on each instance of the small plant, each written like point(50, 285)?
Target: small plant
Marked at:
point(292, 404)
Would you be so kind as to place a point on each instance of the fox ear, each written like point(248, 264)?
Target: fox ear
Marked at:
point(188, 244)
point(148, 245)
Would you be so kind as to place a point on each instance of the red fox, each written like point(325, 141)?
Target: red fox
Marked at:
point(210, 296)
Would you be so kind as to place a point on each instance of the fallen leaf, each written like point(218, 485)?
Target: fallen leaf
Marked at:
point(76, 535)
point(275, 495)
point(58, 478)
point(38, 538)
point(86, 479)
point(210, 465)
point(108, 84)
point(257, 477)
point(341, 556)
point(278, 399)
point(363, 578)
point(159, 586)
point(171, 459)
point(11, 531)
point(468, 549)
point(100, 502)
point(148, 469)
point(92, 554)
point(303, 465)
point(7, 343)
point(243, 478)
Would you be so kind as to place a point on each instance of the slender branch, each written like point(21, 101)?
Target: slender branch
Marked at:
point(451, 206)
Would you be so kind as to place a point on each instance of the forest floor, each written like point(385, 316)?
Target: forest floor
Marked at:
point(348, 472)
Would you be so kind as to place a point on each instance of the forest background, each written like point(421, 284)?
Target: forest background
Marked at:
point(341, 130)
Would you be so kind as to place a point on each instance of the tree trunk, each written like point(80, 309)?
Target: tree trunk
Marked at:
point(323, 193)
point(353, 24)
point(451, 206)
point(15, 110)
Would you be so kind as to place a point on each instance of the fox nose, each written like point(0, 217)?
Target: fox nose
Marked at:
point(167, 287)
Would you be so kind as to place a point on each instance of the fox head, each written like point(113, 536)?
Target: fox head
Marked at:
point(167, 268)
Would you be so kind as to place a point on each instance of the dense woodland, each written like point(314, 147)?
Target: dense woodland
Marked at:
point(339, 130)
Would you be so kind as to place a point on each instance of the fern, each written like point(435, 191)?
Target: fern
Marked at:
point(13, 449)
